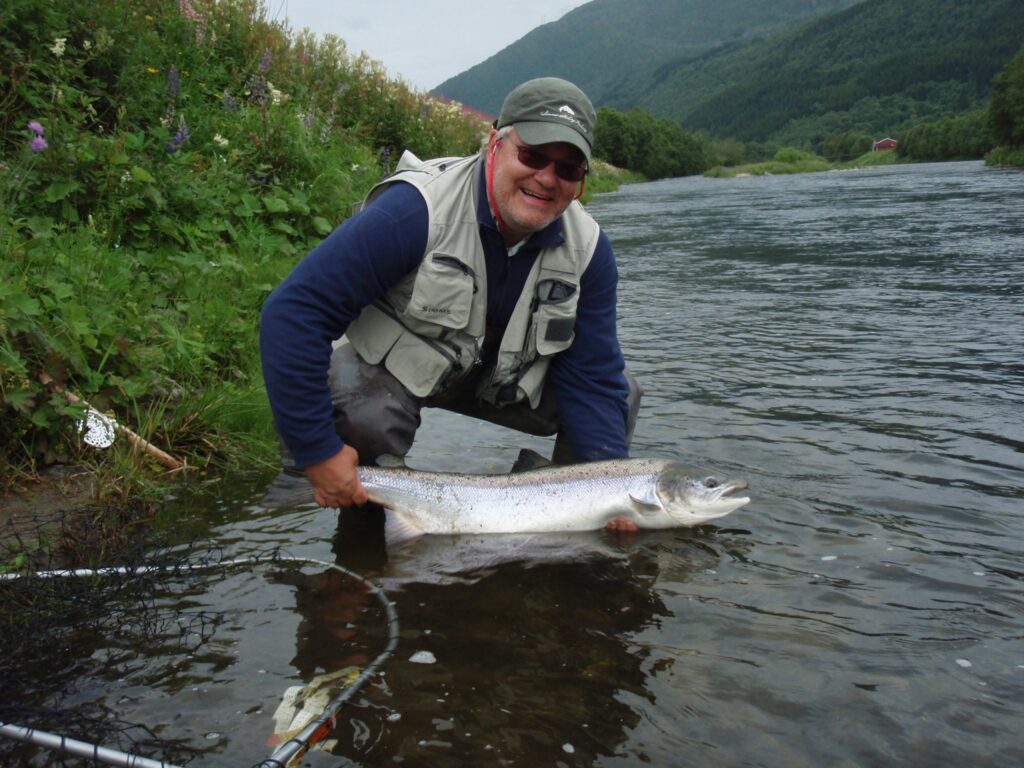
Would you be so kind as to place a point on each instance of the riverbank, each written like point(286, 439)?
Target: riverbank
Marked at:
point(790, 161)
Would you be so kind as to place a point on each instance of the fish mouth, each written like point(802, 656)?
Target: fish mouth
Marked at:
point(732, 486)
point(725, 501)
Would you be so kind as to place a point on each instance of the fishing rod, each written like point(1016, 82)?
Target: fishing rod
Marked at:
point(285, 755)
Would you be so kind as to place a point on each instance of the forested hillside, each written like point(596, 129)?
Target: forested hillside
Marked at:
point(880, 67)
point(613, 47)
point(782, 72)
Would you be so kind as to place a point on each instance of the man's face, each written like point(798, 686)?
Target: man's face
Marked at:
point(528, 200)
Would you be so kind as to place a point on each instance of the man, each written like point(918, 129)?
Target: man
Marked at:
point(476, 284)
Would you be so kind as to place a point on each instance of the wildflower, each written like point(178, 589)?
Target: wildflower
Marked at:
point(180, 137)
point(219, 140)
point(265, 62)
point(276, 97)
point(87, 44)
point(228, 103)
point(38, 144)
point(59, 43)
point(152, 70)
point(36, 127)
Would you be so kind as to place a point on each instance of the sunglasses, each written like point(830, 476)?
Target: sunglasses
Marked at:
point(538, 161)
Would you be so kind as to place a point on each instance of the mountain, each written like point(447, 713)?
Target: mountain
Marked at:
point(782, 72)
point(609, 46)
point(879, 66)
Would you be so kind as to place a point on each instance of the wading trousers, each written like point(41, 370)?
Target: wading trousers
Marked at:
point(378, 416)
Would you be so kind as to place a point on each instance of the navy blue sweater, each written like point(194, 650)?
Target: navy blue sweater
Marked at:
point(368, 254)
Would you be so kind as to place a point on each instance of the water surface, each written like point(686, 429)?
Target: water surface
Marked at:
point(849, 343)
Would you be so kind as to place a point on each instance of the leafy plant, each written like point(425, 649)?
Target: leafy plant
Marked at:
point(162, 166)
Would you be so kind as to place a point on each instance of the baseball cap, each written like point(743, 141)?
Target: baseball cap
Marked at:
point(549, 109)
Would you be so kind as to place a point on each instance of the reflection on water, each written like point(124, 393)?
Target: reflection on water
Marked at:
point(849, 344)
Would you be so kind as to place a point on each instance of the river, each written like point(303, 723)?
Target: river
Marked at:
point(850, 344)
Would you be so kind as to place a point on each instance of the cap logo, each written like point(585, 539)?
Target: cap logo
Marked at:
point(566, 113)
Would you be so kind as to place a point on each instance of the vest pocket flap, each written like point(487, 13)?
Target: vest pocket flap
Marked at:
point(443, 291)
point(554, 325)
point(373, 334)
point(418, 365)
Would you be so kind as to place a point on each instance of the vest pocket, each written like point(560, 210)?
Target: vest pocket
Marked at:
point(555, 318)
point(373, 334)
point(443, 292)
point(418, 365)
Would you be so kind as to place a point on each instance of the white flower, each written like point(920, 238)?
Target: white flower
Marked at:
point(276, 97)
point(87, 44)
point(57, 49)
point(219, 140)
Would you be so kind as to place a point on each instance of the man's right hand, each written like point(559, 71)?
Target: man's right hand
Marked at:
point(336, 480)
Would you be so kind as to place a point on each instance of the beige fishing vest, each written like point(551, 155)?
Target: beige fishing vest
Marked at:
point(428, 329)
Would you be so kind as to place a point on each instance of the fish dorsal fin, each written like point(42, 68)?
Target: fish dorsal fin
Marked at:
point(646, 505)
point(398, 530)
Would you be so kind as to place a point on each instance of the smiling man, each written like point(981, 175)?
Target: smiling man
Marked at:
point(478, 285)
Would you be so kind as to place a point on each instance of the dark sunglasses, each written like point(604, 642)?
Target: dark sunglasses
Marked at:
point(538, 161)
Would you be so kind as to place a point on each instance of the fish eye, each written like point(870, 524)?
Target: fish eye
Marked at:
point(711, 482)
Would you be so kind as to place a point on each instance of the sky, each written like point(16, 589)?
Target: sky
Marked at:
point(423, 42)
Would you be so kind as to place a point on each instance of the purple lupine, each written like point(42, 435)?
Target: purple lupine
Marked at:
point(180, 137)
point(228, 102)
point(265, 62)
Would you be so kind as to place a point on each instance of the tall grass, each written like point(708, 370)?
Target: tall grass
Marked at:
point(163, 164)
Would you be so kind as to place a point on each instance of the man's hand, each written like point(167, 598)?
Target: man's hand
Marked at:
point(622, 525)
point(336, 481)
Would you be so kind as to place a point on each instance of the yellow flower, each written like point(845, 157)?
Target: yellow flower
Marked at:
point(152, 70)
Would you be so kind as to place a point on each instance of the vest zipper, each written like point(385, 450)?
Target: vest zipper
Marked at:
point(451, 261)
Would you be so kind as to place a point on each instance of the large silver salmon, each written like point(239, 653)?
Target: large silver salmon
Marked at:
point(579, 497)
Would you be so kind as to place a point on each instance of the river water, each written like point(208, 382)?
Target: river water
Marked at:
point(849, 343)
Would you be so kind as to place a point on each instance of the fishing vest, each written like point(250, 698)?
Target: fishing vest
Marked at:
point(428, 330)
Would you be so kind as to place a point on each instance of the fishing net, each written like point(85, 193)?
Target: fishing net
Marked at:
point(43, 618)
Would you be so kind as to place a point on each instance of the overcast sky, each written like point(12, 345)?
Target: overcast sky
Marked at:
point(422, 41)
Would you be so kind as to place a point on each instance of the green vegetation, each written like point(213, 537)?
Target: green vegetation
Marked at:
point(1006, 114)
point(162, 166)
point(965, 137)
point(791, 160)
point(653, 148)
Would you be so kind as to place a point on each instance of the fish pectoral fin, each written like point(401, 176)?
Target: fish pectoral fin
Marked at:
point(647, 505)
point(529, 460)
point(398, 529)
point(390, 461)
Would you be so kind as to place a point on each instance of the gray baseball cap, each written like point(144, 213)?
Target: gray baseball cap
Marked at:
point(549, 109)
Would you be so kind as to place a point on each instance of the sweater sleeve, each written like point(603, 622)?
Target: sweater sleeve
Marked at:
point(314, 305)
point(588, 377)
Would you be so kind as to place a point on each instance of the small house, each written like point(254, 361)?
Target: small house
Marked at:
point(884, 145)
